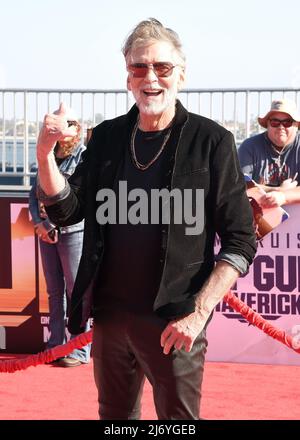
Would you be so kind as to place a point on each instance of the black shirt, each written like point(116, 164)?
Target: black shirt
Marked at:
point(131, 269)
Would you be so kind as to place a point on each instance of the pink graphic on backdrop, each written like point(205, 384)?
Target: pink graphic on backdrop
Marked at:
point(272, 289)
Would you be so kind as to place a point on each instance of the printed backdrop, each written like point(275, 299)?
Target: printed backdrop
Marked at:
point(23, 296)
point(271, 288)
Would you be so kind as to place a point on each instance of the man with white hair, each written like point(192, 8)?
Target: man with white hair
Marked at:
point(151, 286)
point(272, 158)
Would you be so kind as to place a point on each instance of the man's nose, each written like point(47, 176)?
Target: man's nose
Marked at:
point(150, 75)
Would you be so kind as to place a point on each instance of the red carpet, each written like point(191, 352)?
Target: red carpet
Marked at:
point(230, 392)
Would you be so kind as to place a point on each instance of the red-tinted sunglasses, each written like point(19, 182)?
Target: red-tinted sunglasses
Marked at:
point(286, 123)
point(161, 69)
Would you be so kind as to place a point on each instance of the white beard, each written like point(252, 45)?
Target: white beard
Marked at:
point(157, 108)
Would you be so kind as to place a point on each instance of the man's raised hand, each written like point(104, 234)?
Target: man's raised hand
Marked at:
point(55, 128)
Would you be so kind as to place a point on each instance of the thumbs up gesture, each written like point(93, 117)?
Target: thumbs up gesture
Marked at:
point(55, 128)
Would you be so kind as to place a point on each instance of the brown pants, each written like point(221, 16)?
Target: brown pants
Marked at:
point(126, 349)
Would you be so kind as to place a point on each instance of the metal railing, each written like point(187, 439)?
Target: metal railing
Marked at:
point(22, 112)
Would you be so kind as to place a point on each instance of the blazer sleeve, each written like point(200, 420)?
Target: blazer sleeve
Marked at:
point(71, 208)
point(232, 211)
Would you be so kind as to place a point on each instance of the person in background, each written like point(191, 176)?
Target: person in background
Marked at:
point(151, 286)
point(272, 158)
point(61, 249)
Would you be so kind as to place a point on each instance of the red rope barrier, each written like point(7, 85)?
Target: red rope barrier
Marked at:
point(257, 320)
point(12, 365)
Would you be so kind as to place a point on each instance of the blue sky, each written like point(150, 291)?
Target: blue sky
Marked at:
point(77, 43)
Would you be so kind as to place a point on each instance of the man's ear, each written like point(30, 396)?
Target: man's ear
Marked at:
point(181, 80)
point(128, 83)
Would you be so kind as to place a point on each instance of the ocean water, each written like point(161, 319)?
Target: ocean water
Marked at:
point(17, 149)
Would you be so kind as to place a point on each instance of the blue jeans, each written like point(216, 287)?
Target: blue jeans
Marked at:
point(60, 264)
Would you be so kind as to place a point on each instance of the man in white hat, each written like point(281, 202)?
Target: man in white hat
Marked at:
point(272, 158)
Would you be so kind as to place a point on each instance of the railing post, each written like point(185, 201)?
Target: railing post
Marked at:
point(26, 179)
point(3, 158)
point(247, 122)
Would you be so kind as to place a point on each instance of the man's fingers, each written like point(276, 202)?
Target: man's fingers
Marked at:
point(62, 109)
point(166, 339)
point(188, 345)
point(177, 341)
point(56, 124)
point(165, 334)
point(170, 337)
point(169, 343)
point(179, 344)
point(59, 130)
point(69, 132)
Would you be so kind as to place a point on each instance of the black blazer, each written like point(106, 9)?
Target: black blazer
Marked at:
point(204, 157)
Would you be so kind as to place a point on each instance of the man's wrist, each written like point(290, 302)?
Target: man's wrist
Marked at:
point(44, 159)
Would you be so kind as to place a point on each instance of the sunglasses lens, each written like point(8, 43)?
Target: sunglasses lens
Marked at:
point(163, 69)
point(140, 70)
point(286, 123)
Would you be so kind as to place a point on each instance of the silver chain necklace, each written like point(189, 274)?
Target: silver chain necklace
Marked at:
point(139, 165)
point(280, 154)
